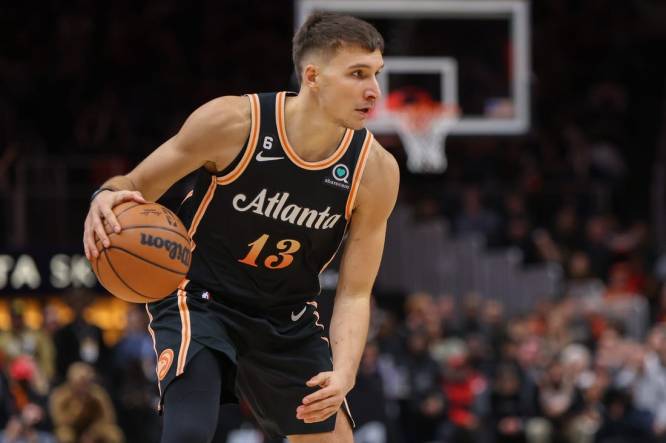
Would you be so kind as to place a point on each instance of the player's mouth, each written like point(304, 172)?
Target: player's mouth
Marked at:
point(364, 111)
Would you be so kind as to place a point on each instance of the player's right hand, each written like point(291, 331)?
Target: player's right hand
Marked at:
point(101, 212)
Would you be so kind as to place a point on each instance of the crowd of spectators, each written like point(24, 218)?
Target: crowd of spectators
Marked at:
point(89, 79)
point(432, 371)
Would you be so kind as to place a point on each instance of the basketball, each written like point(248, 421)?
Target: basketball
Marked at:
point(150, 256)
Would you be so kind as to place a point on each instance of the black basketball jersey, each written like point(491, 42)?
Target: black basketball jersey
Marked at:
point(265, 227)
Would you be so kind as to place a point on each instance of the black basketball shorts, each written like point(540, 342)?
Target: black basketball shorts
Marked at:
point(267, 356)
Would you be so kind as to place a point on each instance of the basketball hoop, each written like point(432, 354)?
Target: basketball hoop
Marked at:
point(422, 124)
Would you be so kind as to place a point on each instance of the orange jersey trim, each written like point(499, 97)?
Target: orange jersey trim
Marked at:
point(358, 173)
point(317, 321)
point(185, 332)
point(291, 153)
point(152, 336)
point(201, 210)
point(251, 143)
point(233, 175)
point(336, 251)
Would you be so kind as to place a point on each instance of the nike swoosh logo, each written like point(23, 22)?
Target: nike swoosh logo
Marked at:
point(261, 158)
point(299, 315)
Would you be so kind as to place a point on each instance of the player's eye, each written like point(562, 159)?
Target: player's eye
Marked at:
point(357, 74)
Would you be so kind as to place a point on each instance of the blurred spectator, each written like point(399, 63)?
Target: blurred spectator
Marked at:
point(623, 281)
point(6, 401)
point(508, 409)
point(22, 340)
point(80, 340)
point(21, 428)
point(518, 234)
point(646, 373)
point(582, 281)
point(622, 421)
point(597, 236)
point(585, 425)
point(370, 406)
point(26, 390)
point(134, 381)
point(470, 321)
point(465, 391)
point(559, 398)
point(474, 218)
point(659, 311)
point(566, 230)
point(446, 312)
point(81, 409)
point(425, 408)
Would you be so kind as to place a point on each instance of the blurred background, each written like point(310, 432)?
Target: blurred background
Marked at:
point(521, 296)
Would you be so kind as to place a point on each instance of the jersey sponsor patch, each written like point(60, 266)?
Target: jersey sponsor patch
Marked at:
point(164, 363)
point(337, 185)
point(340, 177)
point(341, 173)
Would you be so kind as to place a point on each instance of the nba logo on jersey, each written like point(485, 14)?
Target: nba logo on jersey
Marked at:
point(205, 295)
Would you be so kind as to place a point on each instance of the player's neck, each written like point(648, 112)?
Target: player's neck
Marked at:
point(312, 134)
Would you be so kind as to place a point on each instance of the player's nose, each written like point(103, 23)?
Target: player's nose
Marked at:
point(372, 92)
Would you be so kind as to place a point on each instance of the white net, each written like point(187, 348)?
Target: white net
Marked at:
point(423, 131)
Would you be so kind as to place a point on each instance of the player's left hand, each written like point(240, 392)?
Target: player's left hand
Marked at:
point(325, 402)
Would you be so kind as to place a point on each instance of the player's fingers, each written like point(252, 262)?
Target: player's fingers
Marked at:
point(98, 228)
point(319, 379)
point(89, 239)
point(318, 406)
point(110, 219)
point(318, 395)
point(85, 249)
point(90, 245)
point(138, 197)
point(124, 196)
point(85, 239)
point(323, 415)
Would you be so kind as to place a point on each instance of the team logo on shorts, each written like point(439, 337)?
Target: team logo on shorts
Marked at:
point(341, 173)
point(164, 363)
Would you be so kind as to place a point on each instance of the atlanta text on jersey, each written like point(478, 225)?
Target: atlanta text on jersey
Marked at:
point(276, 207)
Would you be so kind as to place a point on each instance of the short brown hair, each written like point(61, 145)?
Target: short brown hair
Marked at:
point(328, 31)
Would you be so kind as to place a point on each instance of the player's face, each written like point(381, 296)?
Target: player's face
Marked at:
point(348, 88)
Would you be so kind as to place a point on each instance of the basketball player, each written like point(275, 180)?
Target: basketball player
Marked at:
point(282, 178)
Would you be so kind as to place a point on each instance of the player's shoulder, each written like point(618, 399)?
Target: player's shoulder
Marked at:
point(226, 113)
point(378, 189)
point(221, 123)
point(381, 169)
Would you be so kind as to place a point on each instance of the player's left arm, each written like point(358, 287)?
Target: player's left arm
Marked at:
point(375, 200)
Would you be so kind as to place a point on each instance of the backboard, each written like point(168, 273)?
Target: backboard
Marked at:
point(473, 55)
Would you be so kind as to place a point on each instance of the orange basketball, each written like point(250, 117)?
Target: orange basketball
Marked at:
point(150, 256)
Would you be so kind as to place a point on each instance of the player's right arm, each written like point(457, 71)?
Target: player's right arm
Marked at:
point(212, 136)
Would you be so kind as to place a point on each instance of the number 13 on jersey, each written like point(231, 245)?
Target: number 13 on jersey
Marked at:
point(285, 250)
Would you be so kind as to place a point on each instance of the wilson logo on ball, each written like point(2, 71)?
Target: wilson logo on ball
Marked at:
point(176, 250)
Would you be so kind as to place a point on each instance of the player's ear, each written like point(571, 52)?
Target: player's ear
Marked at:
point(311, 76)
